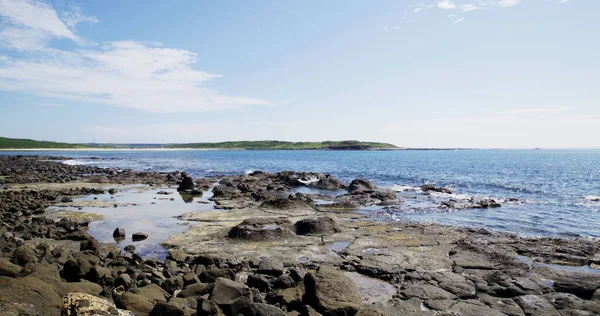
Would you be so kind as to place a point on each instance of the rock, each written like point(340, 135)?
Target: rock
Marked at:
point(136, 303)
point(581, 288)
point(187, 183)
point(124, 280)
point(331, 290)
point(24, 255)
point(430, 187)
point(504, 305)
point(329, 183)
point(361, 186)
point(30, 290)
point(535, 305)
point(262, 229)
point(370, 311)
point(80, 304)
point(291, 298)
point(164, 309)
point(84, 287)
point(75, 269)
point(207, 307)
point(270, 266)
point(119, 234)
point(260, 309)
point(190, 278)
point(261, 282)
point(317, 226)
point(177, 255)
point(426, 291)
point(173, 284)
point(284, 282)
point(139, 236)
point(154, 293)
point(90, 244)
point(213, 273)
point(8, 269)
point(129, 248)
point(232, 297)
point(566, 301)
point(196, 290)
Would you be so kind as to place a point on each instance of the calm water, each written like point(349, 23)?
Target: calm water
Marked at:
point(556, 188)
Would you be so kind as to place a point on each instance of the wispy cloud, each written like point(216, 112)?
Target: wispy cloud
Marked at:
point(446, 4)
point(508, 3)
point(125, 73)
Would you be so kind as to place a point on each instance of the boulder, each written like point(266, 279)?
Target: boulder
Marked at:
point(262, 229)
point(317, 226)
point(90, 244)
point(207, 307)
point(358, 186)
point(119, 234)
point(196, 290)
point(139, 236)
point(329, 183)
point(84, 287)
point(80, 304)
point(535, 305)
point(432, 188)
point(331, 290)
point(177, 255)
point(29, 290)
point(187, 183)
point(154, 293)
point(8, 269)
point(136, 303)
point(164, 309)
point(260, 309)
point(24, 255)
point(270, 266)
point(232, 297)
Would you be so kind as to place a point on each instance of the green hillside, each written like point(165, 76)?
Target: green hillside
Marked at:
point(15, 143)
point(274, 144)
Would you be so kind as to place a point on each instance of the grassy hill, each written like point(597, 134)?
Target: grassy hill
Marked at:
point(15, 143)
point(274, 144)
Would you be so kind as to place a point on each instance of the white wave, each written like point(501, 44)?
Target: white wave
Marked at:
point(309, 181)
point(73, 162)
point(249, 171)
point(455, 196)
point(403, 188)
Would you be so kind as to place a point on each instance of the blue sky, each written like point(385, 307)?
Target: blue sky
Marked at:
point(430, 73)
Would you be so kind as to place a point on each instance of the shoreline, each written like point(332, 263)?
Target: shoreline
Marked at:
point(287, 251)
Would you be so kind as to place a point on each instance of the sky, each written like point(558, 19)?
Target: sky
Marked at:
point(424, 73)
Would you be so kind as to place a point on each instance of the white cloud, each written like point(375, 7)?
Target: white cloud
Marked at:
point(468, 7)
point(446, 4)
point(417, 10)
point(121, 73)
point(508, 3)
point(458, 20)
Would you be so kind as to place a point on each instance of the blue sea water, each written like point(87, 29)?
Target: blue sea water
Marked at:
point(558, 191)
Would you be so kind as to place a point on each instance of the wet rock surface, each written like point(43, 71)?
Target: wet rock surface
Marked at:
point(267, 250)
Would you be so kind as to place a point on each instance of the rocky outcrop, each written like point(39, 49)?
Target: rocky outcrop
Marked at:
point(231, 297)
point(187, 183)
point(359, 186)
point(262, 229)
point(329, 290)
point(317, 226)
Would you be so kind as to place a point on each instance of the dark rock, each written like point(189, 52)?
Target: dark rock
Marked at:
point(119, 233)
point(535, 305)
point(361, 186)
point(232, 297)
point(139, 236)
point(260, 309)
point(430, 187)
point(207, 307)
point(262, 229)
point(153, 292)
point(196, 290)
point(317, 226)
point(164, 309)
point(76, 269)
point(174, 283)
point(329, 183)
point(136, 303)
point(284, 282)
point(24, 255)
point(212, 274)
point(30, 290)
point(8, 269)
point(124, 280)
point(187, 183)
point(331, 290)
point(270, 266)
point(581, 288)
point(90, 244)
point(261, 282)
point(129, 248)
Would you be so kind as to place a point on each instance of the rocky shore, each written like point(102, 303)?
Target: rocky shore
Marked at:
point(267, 248)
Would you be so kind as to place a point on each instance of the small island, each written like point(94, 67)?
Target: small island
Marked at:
point(19, 144)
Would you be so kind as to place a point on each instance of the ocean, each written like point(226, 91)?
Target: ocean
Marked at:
point(553, 193)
